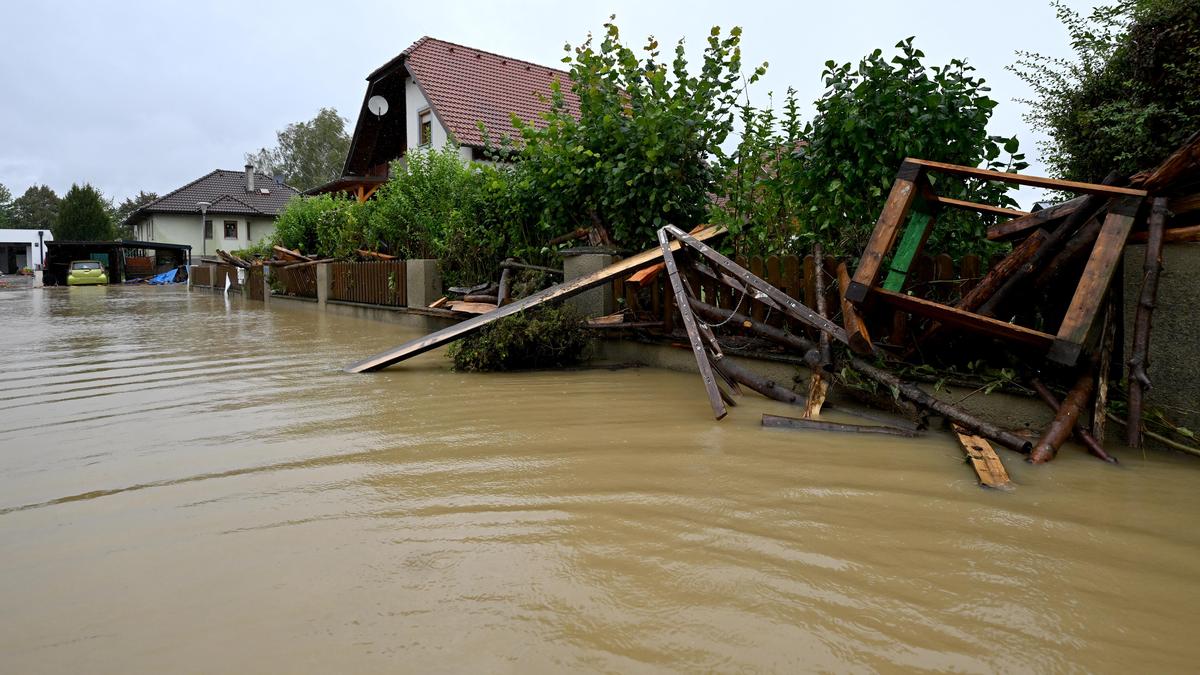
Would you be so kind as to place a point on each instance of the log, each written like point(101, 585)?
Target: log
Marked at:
point(1074, 250)
point(233, 259)
point(780, 422)
point(1139, 355)
point(823, 344)
point(993, 280)
point(918, 396)
point(1053, 243)
point(502, 295)
point(1170, 235)
point(307, 263)
point(856, 329)
point(1108, 337)
point(1085, 438)
point(479, 297)
point(289, 254)
point(1038, 219)
point(758, 383)
point(790, 340)
point(1064, 420)
point(1177, 164)
point(983, 458)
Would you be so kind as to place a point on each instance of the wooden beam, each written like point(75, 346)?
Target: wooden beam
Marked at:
point(1093, 286)
point(1169, 235)
point(883, 237)
point(922, 217)
point(966, 320)
point(563, 290)
point(689, 323)
point(1017, 226)
point(983, 458)
point(856, 328)
point(1139, 356)
point(781, 422)
point(1033, 181)
point(787, 305)
point(980, 208)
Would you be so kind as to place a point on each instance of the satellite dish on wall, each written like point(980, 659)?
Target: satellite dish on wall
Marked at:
point(377, 105)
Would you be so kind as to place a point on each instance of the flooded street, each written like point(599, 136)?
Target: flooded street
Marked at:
point(190, 484)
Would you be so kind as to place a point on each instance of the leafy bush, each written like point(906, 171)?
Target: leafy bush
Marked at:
point(548, 337)
point(1131, 96)
point(873, 116)
point(327, 225)
point(638, 156)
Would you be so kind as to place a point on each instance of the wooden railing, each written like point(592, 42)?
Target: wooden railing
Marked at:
point(374, 283)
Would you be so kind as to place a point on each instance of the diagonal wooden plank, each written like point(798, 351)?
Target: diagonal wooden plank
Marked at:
point(787, 305)
point(693, 331)
point(883, 237)
point(983, 458)
point(967, 320)
point(1093, 286)
point(563, 290)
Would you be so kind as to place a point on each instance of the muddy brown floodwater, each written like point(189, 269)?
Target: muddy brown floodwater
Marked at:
point(189, 484)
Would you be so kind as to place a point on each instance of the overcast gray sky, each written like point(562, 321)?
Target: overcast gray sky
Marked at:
point(149, 95)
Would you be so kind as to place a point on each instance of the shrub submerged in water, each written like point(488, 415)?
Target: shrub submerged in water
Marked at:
point(548, 337)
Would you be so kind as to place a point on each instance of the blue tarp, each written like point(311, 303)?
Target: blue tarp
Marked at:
point(164, 278)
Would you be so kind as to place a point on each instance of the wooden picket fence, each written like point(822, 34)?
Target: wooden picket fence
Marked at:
point(374, 283)
point(933, 277)
point(298, 280)
point(201, 275)
point(222, 272)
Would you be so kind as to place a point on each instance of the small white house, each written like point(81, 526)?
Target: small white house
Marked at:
point(225, 210)
point(20, 249)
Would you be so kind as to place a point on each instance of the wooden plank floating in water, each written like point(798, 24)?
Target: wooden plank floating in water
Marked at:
point(781, 422)
point(983, 458)
point(563, 290)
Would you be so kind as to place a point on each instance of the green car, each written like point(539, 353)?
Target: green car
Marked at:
point(86, 273)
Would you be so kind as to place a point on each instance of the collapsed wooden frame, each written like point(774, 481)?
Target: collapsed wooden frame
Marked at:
point(912, 200)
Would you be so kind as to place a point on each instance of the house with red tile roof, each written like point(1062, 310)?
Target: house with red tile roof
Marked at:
point(437, 91)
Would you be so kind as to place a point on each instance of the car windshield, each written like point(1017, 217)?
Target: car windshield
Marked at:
point(85, 265)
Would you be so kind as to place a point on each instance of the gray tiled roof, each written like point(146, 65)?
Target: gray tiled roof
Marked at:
point(226, 192)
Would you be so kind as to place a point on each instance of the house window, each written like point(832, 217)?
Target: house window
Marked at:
point(231, 229)
point(425, 126)
point(208, 229)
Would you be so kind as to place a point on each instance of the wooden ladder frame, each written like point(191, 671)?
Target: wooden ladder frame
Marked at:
point(913, 201)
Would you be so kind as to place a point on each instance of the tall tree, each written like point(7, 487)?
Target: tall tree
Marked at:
point(122, 211)
point(308, 153)
point(37, 209)
point(1129, 97)
point(5, 207)
point(83, 216)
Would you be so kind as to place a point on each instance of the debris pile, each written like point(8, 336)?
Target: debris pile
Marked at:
point(1050, 305)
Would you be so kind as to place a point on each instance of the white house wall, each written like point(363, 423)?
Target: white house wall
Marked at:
point(416, 103)
point(187, 229)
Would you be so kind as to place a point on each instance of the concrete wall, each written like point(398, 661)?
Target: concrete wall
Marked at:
point(170, 228)
point(1175, 339)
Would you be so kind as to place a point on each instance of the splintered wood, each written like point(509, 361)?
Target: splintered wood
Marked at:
point(983, 459)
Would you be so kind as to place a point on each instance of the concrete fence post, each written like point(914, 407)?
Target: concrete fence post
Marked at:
point(580, 262)
point(423, 282)
point(322, 284)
